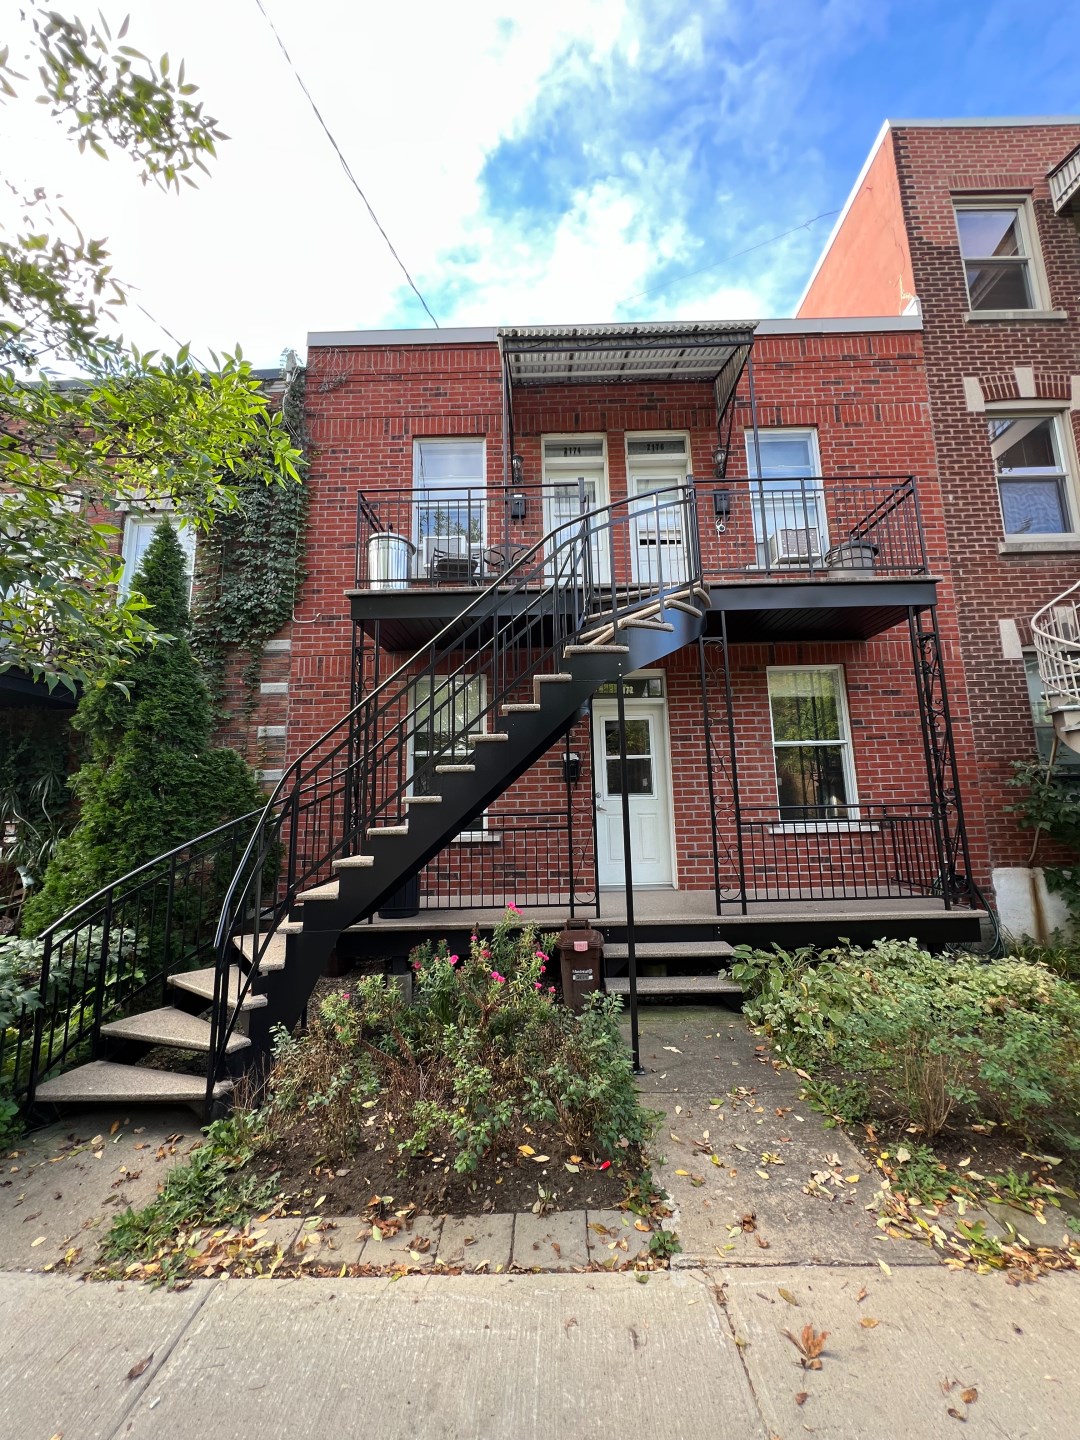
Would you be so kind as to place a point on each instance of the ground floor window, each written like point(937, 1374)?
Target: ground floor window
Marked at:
point(815, 778)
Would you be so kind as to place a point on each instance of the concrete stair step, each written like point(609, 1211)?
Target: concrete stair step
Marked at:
point(525, 708)
point(653, 950)
point(273, 950)
point(375, 832)
point(489, 736)
point(354, 862)
point(169, 1026)
point(329, 891)
point(597, 650)
point(105, 1080)
point(455, 769)
point(630, 623)
point(422, 800)
point(686, 607)
point(200, 983)
point(649, 985)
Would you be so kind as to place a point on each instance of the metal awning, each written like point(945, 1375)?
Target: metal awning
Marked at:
point(700, 351)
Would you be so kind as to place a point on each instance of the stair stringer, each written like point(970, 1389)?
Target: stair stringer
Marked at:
point(399, 857)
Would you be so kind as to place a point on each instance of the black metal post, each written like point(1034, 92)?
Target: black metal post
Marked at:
point(628, 879)
point(733, 761)
point(595, 830)
point(707, 728)
point(569, 823)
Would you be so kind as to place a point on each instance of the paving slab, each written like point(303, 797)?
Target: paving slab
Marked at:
point(550, 1242)
point(415, 1244)
point(485, 1241)
point(938, 1333)
point(328, 1240)
point(68, 1181)
point(66, 1349)
point(530, 1357)
point(607, 1230)
point(715, 1085)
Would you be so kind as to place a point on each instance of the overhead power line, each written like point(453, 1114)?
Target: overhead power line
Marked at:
point(805, 225)
point(345, 165)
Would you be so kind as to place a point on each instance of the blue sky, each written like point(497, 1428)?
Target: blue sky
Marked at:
point(583, 160)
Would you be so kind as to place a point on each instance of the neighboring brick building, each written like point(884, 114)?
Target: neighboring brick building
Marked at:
point(837, 808)
point(973, 224)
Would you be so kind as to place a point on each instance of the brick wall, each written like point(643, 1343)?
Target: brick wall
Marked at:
point(864, 393)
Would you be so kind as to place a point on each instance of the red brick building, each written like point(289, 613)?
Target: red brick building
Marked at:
point(973, 225)
point(796, 757)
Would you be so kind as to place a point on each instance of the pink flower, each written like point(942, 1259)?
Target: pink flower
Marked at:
point(474, 938)
point(499, 979)
point(551, 989)
point(543, 969)
point(416, 964)
point(511, 906)
point(539, 955)
point(485, 954)
point(346, 996)
point(453, 959)
point(537, 985)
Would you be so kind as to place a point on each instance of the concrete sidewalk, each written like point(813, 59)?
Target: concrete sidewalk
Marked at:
point(689, 1353)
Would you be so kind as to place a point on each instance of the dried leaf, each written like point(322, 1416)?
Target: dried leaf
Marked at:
point(802, 1397)
point(862, 1295)
point(969, 1396)
point(787, 1295)
point(956, 1414)
point(39, 1241)
point(885, 1269)
point(114, 1127)
point(641, 1225)
point(869, 1324)
point(673, 1050)
point(540, 1159)
point(526, 1150)
point(140, 1368)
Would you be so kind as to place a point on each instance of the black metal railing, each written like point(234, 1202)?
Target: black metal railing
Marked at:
point(814, 527)
point(113, 953)
point(577, 580)
point(871, 852)
point(529, 857)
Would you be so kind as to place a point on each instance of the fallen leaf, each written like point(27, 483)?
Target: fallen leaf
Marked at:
point(869, 1324)
point(39, 1241)
point(575, 1159)
point(787, 1295)
point(885, 1269)
point(969, 1396)
point(862, 1295)
point(526, 1150)
point(673, 1049)
point(802, 1397)
point(956, 1414)
point(574, 1169)
point(641, 1225)
point(140, 1368)
point(114, 1127)
point(540, 1159)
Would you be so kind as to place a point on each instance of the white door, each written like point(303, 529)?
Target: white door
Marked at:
point(656, 471)
point(575, 477)
point(648, 797)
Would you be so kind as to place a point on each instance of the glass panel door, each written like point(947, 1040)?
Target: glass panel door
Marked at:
point(575, 479)
point(657, 466)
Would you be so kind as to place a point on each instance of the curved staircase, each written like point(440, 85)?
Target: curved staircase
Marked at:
point(1056, 632)
point(357, 815)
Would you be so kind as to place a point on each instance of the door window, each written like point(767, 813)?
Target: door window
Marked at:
point(640, 774)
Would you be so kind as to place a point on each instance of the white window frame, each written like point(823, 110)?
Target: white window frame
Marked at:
point(852, 820)
point(469, 485)
point(474, 836)
point(1030, 254)
point(1066, 456)
point(816, 490)
point(144, 520)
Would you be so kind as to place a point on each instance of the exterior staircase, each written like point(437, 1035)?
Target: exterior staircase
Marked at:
point(1056, 631)
point(352, 820)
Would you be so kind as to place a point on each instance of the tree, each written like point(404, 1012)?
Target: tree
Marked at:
point(151, 779)
point(131, 426)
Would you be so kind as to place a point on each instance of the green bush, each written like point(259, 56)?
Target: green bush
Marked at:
point(482, 1045)
point(932, 1032)
point(152, 779)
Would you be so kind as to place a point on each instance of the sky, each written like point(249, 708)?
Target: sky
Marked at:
point(565, 162)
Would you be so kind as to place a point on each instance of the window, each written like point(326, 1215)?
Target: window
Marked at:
point(453, 708)
point(788, 502)
point(1033, 481)
point(138, 532)
point(1041, 718)
point(811, 743)
point(449, 506)
point(997, 256)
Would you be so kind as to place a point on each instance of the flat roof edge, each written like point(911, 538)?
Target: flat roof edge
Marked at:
point(841, 325)
point(452, 335)
point(985, 122)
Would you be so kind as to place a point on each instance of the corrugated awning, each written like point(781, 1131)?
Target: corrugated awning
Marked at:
point(609, 354)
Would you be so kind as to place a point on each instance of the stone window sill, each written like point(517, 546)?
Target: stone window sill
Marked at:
point(1043, 545)
point(976, 316)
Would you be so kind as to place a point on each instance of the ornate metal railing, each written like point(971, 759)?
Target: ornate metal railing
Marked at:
point(381, 756)
point(113, 953)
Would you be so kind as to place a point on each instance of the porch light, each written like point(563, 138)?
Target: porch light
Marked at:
point(719, 460)
point(517, 469)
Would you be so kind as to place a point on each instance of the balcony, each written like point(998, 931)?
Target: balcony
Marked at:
point(810, 558)
point(1064, 182)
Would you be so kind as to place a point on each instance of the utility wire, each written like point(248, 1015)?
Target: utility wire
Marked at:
point(727, 258)
point(345, 165)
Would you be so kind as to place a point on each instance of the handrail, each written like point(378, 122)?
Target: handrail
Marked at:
point(566, 580)
point(1055, 629)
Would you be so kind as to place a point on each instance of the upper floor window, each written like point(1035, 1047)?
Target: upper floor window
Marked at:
point(995, 242)
point(138, 532)
point(1032, 474)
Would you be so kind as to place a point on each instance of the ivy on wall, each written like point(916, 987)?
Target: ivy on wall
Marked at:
point(250, 566)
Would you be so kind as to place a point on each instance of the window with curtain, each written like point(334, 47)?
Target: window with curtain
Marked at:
point(1032, 476)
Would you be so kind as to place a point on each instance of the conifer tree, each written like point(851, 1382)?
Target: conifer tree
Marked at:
point(151, 777)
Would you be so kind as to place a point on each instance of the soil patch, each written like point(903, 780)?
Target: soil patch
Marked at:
point(506, 1180)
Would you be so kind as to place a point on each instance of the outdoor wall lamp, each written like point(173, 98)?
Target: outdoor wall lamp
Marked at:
point(517, 469)
point(721, 500)
point(571, 768)
point(517, 506)
point(719, 460)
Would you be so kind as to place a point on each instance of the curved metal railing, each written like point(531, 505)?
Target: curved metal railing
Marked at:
point(1056, 633)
